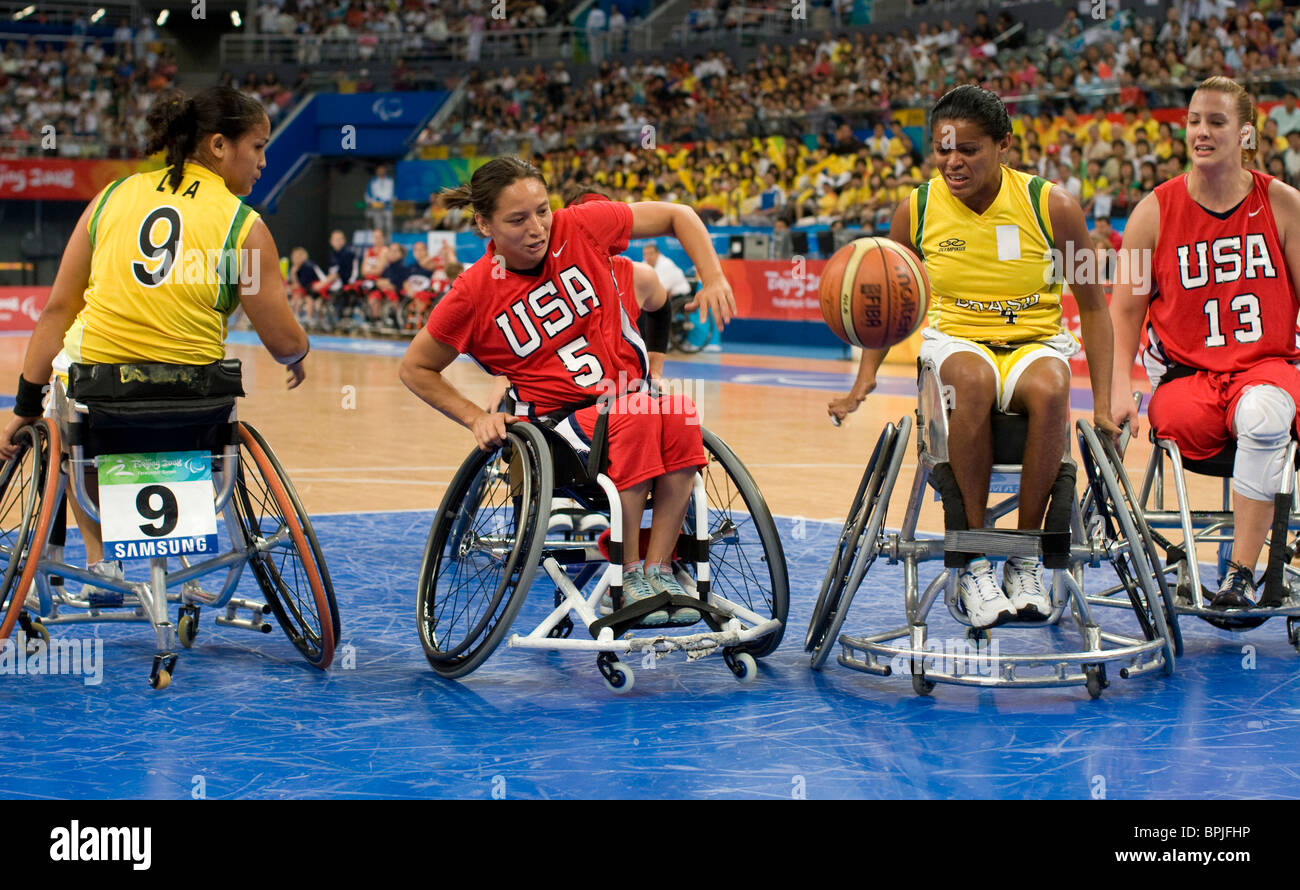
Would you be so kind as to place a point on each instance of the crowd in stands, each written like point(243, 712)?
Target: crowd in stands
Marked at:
point(95, 92)
point(779, 138)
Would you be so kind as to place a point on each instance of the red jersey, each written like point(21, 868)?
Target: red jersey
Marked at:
point(1222, 299)
point(563, 335)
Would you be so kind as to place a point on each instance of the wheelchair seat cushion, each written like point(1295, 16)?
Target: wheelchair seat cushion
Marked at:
point(1010, 432)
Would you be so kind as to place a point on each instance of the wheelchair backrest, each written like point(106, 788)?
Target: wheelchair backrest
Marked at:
point(153, 406)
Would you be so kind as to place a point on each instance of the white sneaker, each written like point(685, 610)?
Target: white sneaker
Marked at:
point(1023, 585)
point(108, 569)
point(985, 604)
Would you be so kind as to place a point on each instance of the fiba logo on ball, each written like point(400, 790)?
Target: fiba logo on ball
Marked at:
point(874, 293)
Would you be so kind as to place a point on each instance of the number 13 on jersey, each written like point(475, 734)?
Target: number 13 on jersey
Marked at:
point(157, 504)
point(1249, 328)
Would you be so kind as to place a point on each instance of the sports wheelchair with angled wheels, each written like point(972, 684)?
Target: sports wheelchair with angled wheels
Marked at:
point(171, 456)
point(1279, 595)
point(495, 527)
point(1065, 547)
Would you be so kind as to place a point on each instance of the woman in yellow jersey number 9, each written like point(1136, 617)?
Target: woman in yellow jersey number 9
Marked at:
point(159, 260)
point(988, 234)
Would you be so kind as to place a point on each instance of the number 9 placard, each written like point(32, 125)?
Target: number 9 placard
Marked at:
point(157, 505)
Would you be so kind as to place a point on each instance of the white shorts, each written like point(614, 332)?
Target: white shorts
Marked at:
point(1008, 363)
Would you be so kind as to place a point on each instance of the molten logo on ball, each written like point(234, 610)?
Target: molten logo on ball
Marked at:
point(874, 293)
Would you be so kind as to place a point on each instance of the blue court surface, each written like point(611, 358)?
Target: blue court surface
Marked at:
point(246, 718)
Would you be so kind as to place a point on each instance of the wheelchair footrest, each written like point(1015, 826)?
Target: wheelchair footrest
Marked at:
point(1052, 547)
point(628, 617)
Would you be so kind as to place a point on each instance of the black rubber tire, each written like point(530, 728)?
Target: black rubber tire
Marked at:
point(23, 497)
point(746, 560)
point(682, 325)
point(856, 552)
point(511, 490)
point(293, 577)
point(1137, 565)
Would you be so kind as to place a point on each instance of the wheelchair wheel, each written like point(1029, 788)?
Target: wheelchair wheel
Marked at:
point(1132, 553)
point(28, 492)
point(746, 562)
point(681, 326)
point(483, 550)
point(859, 543)
point(291, 574)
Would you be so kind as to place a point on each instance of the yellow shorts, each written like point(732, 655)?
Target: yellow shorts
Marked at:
point(1008, 363)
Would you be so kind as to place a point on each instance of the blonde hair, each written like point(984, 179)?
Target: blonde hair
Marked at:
point(1247, 113)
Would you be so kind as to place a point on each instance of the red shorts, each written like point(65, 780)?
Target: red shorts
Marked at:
point(648, 437)
point(1196, 411)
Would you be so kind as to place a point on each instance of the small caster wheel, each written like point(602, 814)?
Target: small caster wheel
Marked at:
point(744, 667)
point(977, 635)
point(922, 686)
point(187, 628)
point(1293, 631)
point(161, 680)
point(1096, 679)
point(562, 630)
point(618, 676)
point(163, 666)
point(36, 632)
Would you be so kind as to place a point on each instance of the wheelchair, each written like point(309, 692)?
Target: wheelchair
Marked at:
point(1279, 596)
point(169, 422)
point(495, 528)
point(1072, 539)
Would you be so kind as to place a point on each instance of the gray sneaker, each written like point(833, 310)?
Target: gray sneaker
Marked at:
point(636, 587)
point(664, 582)
point(98, 595)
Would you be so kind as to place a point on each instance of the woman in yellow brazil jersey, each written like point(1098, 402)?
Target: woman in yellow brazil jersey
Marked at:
point(988, 234)
point(159, 260)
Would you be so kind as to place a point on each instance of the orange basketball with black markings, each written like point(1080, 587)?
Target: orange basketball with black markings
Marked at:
point(874, 293)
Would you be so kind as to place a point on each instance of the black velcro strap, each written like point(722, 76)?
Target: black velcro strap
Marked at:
point(1278, 554)
point(1057, 523)
point(155, 381)
point(598, 457)
point(629, 616)
point(954, 511)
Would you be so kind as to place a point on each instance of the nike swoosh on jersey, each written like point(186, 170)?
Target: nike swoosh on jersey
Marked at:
point(1257, 210)
point(561, 250)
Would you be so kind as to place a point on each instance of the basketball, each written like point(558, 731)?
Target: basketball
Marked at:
point(874, 293)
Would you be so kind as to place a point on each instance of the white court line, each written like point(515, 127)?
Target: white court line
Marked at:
point(298, 470)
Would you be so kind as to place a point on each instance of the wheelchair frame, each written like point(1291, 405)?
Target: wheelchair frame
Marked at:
point(1215, 527)
point(1064, 552)
point(149, 601)
point(736, 631)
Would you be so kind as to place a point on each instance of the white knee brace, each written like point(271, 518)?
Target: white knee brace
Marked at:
point(1263, 426)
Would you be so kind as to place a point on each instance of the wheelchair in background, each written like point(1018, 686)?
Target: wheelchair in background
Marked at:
point(1072, 539)
point(1279, 597)
point(161, 436)
point(494, 528)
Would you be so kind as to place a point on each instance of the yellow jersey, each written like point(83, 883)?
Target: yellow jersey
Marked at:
point(165, 270)
point(991, 274)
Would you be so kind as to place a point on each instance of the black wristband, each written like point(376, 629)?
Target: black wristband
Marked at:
point(29, 400)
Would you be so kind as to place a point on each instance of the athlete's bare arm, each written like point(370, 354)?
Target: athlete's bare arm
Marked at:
point(268, 310)
point(651, 219)
point(1134, 282)
point(900, 230)
point(650, 293)
point(1070, 232)
point(421, 371)
point(1286, 212)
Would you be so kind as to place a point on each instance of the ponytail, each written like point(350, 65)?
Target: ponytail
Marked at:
point(177, 125)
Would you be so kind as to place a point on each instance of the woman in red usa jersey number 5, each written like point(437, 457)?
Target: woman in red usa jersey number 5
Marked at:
point(1220, 308)
point(544, 308)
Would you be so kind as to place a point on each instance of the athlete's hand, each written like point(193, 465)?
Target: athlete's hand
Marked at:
point(716, 298)
point(1107, 426)
point(490, 429)
point(846, 404)
point(1124, 409)
point(7, 448)
point(297, 374)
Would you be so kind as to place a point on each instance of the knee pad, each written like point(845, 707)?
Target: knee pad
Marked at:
point(1262, 421)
